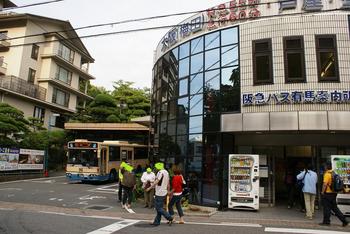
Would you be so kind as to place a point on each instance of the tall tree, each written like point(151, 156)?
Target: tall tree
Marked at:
point(132, 102)
point(103, 109)
point(13, 125)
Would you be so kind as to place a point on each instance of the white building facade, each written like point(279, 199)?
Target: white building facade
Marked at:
point(257, 77)
point(43, 67)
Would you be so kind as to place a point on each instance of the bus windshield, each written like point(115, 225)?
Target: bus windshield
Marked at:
point(85, 157)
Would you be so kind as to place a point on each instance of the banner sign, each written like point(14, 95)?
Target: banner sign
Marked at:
point(21, 159)
point(296, 97)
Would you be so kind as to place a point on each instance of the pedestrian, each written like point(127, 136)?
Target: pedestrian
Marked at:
point(329, 199)
point(289, 181)
point(147, 178)
point(129, 184)
point(299, 195)
point(161, 185)
point(176, 192)
point(309, 178)
point(120, 176)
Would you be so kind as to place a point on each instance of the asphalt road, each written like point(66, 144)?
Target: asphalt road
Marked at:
point(52, 205)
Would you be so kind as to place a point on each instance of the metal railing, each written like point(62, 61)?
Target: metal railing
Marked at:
point(21, 86)
point(3, 36)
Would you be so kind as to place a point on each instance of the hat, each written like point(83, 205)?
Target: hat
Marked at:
point(149, 170)
point(128, 167)
point(159, 166)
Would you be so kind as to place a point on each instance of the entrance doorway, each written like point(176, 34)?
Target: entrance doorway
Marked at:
point(295, 159)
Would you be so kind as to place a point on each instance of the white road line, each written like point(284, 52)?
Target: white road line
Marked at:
point(114, 227)
point(82, 216)
point(227, 224)
point(18, 189)
point(7, 209)
point(129, 210)
point(304, 231)
point(17, 181)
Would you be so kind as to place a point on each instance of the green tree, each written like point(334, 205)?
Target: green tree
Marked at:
point(13, 125)
point(132, 102)
point(103, 108)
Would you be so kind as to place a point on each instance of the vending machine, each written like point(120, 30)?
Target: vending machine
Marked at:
point(243, 181)
point(341, 166)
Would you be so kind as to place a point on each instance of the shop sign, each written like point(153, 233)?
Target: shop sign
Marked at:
point(296, 97)
point(213, 18)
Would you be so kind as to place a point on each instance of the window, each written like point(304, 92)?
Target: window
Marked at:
point(327, 61)
point(60, 97)
point(35, 51)
point(262, 62)
point(66, 53)
point(64, 75)
point(31, 75)
point(114, 153)
point(39, 113)
point(294, 62)
point(3, 35)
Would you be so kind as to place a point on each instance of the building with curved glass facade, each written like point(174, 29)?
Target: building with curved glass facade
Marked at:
point(253, 77)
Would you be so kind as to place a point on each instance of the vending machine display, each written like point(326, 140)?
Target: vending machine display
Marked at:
point(341, 166)
point(243, 181)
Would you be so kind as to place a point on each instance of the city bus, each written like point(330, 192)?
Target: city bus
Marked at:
point(99, 161)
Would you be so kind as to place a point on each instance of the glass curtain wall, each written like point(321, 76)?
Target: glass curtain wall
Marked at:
point(192, 85)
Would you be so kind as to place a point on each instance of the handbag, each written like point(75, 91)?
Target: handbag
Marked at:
point(300, 183)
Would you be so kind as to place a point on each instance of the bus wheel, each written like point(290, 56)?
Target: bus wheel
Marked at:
point(113, 176)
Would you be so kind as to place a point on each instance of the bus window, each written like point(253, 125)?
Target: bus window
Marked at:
point(123, 155)
point(140, 153)
point(130, 158)
point(85, 157)
point(114, 153)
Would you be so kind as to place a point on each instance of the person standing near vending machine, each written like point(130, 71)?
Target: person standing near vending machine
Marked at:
point(329, 199)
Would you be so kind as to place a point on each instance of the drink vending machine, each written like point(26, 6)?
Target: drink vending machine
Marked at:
point(341, 166)
point(243, 181)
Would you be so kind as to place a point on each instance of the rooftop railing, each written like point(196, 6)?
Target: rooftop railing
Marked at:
point(21, 86)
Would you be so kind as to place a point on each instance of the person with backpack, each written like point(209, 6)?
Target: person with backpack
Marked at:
point(129, 183)
point(309, 180)
point(329, 196)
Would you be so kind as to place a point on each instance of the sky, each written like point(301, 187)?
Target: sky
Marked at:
point(127, 56)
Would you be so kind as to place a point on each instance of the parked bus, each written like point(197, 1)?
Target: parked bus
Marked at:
point(99, 161)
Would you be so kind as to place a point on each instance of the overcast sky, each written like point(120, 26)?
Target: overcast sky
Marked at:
point(124, 56)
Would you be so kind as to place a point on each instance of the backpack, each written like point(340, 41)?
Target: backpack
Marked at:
point(337, 183)
point(129, 179)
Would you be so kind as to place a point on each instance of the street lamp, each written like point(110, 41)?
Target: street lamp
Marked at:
point(46, 164)
point(121, 106)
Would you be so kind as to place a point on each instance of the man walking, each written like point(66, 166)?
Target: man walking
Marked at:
point(329, 199)
point(309, 189)
point(147, 180)
point(161, 185)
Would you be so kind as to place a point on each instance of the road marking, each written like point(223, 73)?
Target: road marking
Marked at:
point(129, 210)
point(106, 189)
point(17, 189)
point(17, 181)
point(9, 209)
point(82, 216)
point(114, 227)
point(305, 231)
point(227, 224)
point(52, 199)
point(89, 197)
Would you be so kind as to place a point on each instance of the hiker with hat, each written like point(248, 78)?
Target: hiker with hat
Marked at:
point(147, 179)
point(129, 184)
point(162, 187)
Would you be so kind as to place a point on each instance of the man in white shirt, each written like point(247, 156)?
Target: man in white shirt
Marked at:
point(147, 178)
point(162, 187)
point(309, 178)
